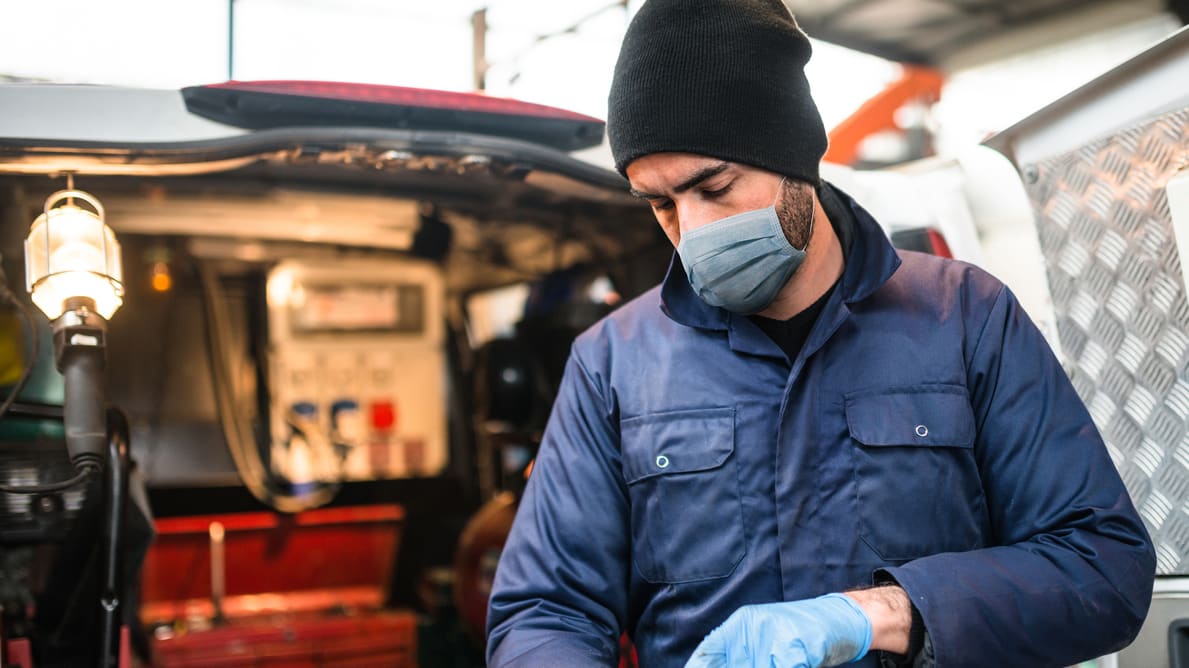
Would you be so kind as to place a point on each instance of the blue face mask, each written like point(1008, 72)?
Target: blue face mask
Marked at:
point(740, 263)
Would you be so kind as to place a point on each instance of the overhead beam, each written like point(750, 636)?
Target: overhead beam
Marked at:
point(1004, 27)
point(1041, 29)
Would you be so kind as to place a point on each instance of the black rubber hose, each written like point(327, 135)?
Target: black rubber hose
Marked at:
point(84, 413)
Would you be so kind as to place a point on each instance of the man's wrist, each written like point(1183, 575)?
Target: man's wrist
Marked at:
point(890, 612)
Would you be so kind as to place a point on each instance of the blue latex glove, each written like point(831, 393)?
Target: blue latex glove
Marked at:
point(826, 631)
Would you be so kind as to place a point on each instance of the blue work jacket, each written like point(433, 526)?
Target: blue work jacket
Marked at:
point(925, 431)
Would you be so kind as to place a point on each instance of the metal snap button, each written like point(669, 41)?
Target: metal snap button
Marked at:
point(922, 430)
point(662, 462)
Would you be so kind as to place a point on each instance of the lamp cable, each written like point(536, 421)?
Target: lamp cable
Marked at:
point(26, 314)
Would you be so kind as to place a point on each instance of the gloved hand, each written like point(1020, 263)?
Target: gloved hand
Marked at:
point(826, 631)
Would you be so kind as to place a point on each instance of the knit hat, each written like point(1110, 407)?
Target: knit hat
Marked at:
point(721, 78)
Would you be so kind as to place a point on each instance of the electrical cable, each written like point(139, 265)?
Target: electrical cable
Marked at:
point(568, 30)
point(84, 473)
point(240, 441)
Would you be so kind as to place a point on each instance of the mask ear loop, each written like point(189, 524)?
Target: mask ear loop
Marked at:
point(812, 220)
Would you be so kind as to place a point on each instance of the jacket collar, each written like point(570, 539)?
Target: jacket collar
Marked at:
point(870, 262)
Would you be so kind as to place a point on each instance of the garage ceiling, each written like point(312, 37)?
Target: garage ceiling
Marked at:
point(953, 34)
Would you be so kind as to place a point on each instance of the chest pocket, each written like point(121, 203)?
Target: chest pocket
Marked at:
point(919, 490)
point(682, 477)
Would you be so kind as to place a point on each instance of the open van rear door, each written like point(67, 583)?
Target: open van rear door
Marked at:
point(1107, 172)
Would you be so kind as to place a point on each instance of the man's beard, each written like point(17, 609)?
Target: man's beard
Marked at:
point(795, 211)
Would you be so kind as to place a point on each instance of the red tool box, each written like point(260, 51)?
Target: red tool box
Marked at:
point(263, 589)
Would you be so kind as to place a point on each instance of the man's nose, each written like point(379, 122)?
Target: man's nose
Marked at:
point(692, 215)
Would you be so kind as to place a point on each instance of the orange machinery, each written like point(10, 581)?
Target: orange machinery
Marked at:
point(916, 84)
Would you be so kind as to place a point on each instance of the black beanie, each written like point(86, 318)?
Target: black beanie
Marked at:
point(721, 78)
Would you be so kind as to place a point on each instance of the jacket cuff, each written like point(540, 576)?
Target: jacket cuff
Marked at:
point(918, 636)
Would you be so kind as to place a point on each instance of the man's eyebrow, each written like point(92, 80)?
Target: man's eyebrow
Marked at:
point(698, 177)
point(701, 175)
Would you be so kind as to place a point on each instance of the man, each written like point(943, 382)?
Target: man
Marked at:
point(803, 448)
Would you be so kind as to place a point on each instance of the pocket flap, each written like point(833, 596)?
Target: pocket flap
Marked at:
point(676, 442)
point(906, 416)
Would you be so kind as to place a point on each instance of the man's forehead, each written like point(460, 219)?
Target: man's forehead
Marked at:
point(678, 161)
point(670, 169)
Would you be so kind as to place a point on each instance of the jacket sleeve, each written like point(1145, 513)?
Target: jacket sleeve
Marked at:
point(560, 590)
point(1070, 577)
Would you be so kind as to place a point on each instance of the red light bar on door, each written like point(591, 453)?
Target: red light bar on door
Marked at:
point(409, 97)
point(271, 104)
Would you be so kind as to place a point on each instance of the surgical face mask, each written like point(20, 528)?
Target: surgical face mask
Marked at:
point(740, 263)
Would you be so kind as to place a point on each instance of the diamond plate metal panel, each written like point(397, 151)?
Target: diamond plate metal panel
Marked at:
point(1122, 315)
